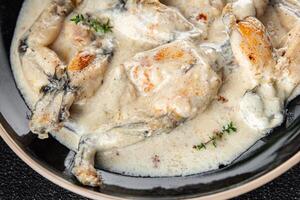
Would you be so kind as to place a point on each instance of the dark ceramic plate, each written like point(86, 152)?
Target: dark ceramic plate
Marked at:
point(265, 160)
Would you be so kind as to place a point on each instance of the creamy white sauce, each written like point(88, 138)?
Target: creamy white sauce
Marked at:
point(166, 154)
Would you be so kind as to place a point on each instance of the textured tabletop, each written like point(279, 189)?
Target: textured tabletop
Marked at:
point(18, 181)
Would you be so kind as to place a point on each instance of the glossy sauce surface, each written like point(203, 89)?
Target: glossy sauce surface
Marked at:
point(167, 154)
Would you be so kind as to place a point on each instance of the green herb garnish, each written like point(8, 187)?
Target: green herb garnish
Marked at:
point(218, 135)
point(229, 128)
point(93, 23)
point(78, 18)
point(200, 146)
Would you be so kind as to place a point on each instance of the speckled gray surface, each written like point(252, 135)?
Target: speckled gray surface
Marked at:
point(18, 181)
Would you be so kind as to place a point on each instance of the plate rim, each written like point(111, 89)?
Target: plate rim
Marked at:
point(227, 194)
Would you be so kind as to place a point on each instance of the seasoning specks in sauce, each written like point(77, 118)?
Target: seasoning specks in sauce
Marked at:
point(144, 93)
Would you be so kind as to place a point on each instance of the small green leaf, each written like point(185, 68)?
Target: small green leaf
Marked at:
point(93, 23)
point(218, 135)
point(78, 18)
point(229, 128)
point(200, 146)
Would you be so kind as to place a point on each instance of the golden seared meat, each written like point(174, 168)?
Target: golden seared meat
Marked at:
point(38, 60)
point(156, 88)
point(72, 38)
point(176, 78)
point(262, 106)
point(59, 83)
point(252, 48)
point(171, 84)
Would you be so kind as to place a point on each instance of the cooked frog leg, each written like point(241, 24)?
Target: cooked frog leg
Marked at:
point(48, 110)
point(222, 54)
point(83, 168)
point(252, 48)
point(150, 23)
point(41, 63)
point(79, 80)
point(199, 12)
point(119, 137)
point(165, 86)
point(274, 79)
point(86, 70)
point(180, 85)
point(61, 84)
point(177, 79)
point(262, 107)
point(38, 61)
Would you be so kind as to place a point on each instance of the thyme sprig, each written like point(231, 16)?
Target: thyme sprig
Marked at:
point(229, 128)
point(93, 23)
point(78, 18)
point(218, 135)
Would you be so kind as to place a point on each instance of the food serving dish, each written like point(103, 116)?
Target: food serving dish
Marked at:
point(264, 161)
